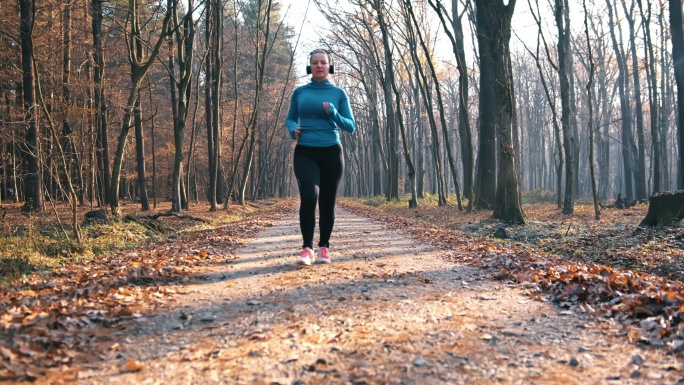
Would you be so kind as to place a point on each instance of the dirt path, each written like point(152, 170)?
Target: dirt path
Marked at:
point(388, 310)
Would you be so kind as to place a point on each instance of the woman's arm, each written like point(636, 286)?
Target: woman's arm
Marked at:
point(292, 120)
point(344, 118)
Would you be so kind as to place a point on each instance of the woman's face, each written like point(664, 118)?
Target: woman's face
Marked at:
point(319, 66)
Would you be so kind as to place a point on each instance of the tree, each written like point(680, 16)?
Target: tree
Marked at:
point(423, 84)
point(564, 67)
point(487, 26)
point(625, 106)
point(652, 80)
point(590, 98)
point(440, 102)
point(678, 59)
point(464, 130)
point(31, 149)
point(494, 34)
point(185, 37)
point(640, 172)
point(139, 68)
point(393, 171)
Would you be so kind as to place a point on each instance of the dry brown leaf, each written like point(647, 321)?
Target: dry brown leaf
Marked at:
point(133, 366)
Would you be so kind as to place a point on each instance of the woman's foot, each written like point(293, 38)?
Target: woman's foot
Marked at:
point(306, 257)
point(323, 255)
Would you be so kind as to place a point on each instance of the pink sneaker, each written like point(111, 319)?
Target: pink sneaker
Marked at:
point(323, 255)
point(305, 257)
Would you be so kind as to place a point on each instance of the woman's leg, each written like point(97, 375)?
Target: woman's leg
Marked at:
point(308, 178)
point(332, 168)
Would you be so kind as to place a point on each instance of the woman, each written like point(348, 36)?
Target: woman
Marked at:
point(317, 110)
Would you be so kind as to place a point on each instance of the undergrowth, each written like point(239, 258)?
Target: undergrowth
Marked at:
point(25, 249)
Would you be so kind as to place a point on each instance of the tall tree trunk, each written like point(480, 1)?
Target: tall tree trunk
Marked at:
point(68, 142)
point(625, 106)
point(154, 147)
point(31, 149)
point(552, 104)
point(652, 80)
point(185, 37)
point(138, 72)
point(440, 105)
point(391, 133)
point(464, 130)
point(140, 155)
point(208, 99)
point(485, 178)
point(666, 103)
point(100, 104)
point(564, 67)
point(494, 31)
point(590, 99)
point(259, 71)
point(640, 163)
point(217, 77)
point(422, 83)
point(678, 60)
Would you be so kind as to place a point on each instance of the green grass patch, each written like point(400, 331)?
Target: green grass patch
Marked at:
point(33, 251)
point(428, 200)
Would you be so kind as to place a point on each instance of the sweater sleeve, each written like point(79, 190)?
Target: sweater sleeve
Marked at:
point(292, 120)
point(343, 116)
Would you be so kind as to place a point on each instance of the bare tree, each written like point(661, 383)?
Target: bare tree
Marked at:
point(440, 102)
point(625, 105)
point(31, 149)
point(678, 58)
point(139, 69)
point(640, 161)
point(564, 67)
point(590, 98)
point(494, 34)
point(185, 37)
point(464, 130)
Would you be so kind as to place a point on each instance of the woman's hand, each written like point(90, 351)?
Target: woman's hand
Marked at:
point(297, 133)
point(326, 106)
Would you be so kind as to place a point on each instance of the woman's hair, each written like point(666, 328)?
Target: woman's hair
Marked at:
point(318, 50)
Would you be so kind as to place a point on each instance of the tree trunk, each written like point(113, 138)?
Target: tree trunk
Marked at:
point(678, 60)
point(652, 80)
point(590, 100)
point(140, 155)
point(625, 106)
point(485, 183)
point(665, 209)
point(99, 102)
point(494, 31)
point(185, 37)
point(34, 199)
point(259, 71)
point(440, 106)
point(208, 100)
point(139, 70)
point(640, 164)
point(154, 148)
point(564, 67)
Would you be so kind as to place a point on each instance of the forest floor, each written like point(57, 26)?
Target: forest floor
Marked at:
point(414, 296)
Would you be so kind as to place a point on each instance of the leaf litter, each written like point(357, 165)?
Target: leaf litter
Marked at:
point(49, 322)
point(610, 269)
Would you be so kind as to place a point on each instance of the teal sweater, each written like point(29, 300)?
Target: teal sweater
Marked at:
point(319, 129)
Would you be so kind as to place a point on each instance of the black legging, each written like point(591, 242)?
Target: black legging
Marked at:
point(318, 171)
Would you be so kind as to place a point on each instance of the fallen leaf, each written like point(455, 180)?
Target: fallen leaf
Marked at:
point(133, 366)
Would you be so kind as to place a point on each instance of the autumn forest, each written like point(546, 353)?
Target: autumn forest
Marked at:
point(510, 208)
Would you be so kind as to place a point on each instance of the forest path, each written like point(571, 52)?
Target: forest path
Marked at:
point(387, 310)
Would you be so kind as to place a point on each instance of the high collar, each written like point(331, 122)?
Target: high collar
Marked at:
point(323, 83)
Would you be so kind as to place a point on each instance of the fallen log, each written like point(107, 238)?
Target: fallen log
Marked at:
point(665, 209)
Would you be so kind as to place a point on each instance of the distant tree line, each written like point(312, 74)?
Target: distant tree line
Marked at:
point(104, 101)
